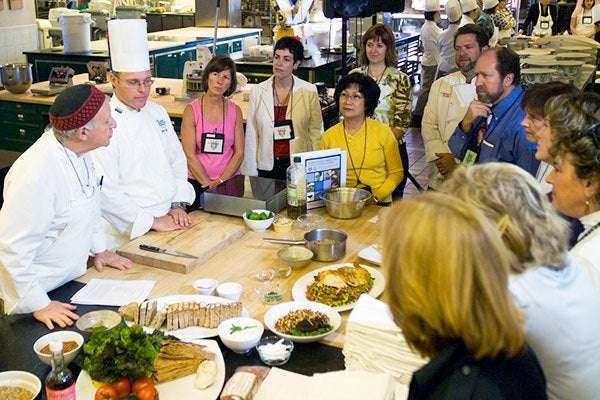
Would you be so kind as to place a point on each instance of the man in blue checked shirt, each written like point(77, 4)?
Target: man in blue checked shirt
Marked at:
point(491, 130)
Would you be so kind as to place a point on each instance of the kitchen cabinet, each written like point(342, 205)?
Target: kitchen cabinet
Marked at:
point(22, 124)
point(167, 21)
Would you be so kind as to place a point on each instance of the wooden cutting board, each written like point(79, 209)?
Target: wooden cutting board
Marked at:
point(209, 234)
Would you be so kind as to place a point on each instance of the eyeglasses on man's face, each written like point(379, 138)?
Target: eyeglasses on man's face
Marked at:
point(135, 83)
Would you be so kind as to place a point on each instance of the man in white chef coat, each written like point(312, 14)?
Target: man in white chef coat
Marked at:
point(144, 167)
point(449, 99)
point(50, 221)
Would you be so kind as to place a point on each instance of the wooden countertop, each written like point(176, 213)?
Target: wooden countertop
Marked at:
point(238, 261)
point(174, 107)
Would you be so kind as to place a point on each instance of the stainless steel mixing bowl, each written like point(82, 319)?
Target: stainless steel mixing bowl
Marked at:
point(345, 202)
point(16, 78)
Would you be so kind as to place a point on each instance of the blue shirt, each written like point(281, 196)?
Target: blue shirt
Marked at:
point(505, 139)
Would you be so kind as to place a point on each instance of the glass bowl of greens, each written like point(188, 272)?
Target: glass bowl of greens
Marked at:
point(271, 292)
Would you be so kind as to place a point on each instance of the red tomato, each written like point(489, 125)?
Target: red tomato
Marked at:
point(141, 383)
point(147, 393)
point(122, 385)
point(106, 392)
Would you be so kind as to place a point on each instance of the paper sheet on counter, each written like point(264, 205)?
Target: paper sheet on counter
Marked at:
point(108, 292)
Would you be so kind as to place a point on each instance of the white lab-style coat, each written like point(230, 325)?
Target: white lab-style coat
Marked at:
point(429, 39)
point(304, 111)
point(449, 99)
point(48, 225)
point(144, 170)
point(446, 46)
point(466, 20)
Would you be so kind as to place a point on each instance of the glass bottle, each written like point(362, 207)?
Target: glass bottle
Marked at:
point(296, 189)
point(60, 384)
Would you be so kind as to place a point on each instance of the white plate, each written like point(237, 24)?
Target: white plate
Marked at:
point(193, 332)
point(299, 288)
point(282, 309)
point(371, 254)
point(182, 388)
point(23, 379)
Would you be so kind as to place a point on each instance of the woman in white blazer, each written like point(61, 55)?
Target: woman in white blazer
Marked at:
point(284, 116)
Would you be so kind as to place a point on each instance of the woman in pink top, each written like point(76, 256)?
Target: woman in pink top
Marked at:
point(212, 131)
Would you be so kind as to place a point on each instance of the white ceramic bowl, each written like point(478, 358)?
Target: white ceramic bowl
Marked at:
point(58, 335)
point(230, 290)
point(205, 286)
point(106, 318)
point(283, 309)
point(25, 380)
point(240, 334)
point(259, 225)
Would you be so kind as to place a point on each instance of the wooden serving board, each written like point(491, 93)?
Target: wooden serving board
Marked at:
point(209, 234)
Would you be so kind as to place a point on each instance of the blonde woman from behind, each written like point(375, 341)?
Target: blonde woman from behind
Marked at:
point(448, 272)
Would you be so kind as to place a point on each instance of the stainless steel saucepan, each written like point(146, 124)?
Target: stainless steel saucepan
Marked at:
point(326, 244)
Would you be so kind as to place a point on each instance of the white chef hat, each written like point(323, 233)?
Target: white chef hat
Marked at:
point(468, 5)
point(453, 11)
point(432, 5)
point(596, 13)
point(128, 39)
point(489, 4)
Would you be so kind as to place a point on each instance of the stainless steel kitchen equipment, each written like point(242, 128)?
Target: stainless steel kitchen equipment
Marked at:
point(326, 244)
point(230, 14)
point(60, 78)
point(16, 78)
point(236, 195)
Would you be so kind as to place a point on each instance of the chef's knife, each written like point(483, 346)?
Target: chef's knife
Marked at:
point(165, 251)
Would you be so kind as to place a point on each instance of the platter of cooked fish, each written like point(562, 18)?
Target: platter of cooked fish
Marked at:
point(339, 285)
point(183, 316)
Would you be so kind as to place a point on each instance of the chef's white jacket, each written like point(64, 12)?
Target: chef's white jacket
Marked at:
point(429, 36)
point(446, 46)
point(144, 170)
point(48, 225)
point(449, 99)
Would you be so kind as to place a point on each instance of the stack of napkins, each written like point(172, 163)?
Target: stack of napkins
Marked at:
point(348, 385)
point(375, 343)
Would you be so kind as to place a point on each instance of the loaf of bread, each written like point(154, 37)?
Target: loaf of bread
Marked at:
point(183, 315)
point(146, 314)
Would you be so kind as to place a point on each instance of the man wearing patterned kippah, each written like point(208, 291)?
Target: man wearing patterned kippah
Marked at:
point(50, 221)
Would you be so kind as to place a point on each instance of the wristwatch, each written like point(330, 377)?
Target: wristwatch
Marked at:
point(178, 204)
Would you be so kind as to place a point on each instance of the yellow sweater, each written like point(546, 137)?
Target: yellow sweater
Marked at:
point(382, 167)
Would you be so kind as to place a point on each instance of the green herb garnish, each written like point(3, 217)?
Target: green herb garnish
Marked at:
point(235, 328)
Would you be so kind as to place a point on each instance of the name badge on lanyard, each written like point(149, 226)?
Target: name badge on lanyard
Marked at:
point(586, 20)
point(212, 143)
point(544, 24)
point(283, 130)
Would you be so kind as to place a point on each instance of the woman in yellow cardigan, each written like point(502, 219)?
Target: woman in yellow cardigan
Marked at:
point(373, 160)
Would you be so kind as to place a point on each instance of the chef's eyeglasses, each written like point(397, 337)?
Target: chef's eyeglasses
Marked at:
point(135, 83)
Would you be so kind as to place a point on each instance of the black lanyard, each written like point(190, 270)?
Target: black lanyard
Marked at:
point(202, 119)
point(358, 182)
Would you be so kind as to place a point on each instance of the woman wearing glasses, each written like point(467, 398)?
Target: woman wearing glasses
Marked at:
point(212, 132)
point(575, 124)
point(373, 160)
point(378, 58)
point(284, 115)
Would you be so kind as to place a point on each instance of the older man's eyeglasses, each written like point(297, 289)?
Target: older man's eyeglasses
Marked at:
point(135, 83)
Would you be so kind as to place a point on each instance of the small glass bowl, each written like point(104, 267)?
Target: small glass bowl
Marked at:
point(274, 350)
point(309, 221)
point(264, 275)
point(283, 271)
point(271, 292)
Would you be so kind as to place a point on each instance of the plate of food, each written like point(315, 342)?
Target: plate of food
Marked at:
point(339, 286)
point(302, 321)
point(190, 316)
point(199, 385)
point(371, 254)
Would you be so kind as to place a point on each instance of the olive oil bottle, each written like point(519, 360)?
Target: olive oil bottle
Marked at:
point(59, 384)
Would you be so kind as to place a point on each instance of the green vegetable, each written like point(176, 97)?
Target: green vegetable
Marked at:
point(258, 216)
point(297, 332)
point(122, 351)
point(235, 328)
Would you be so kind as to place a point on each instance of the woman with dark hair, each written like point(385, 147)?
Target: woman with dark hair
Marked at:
point(582, 19)
point(287, 103)
point(373, 160)
point(378, 59)
point(212, 133)
point(575, 124)
point(541, 16)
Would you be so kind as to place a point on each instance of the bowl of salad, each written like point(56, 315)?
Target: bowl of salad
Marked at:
point(302, 321)
point(258, 220)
